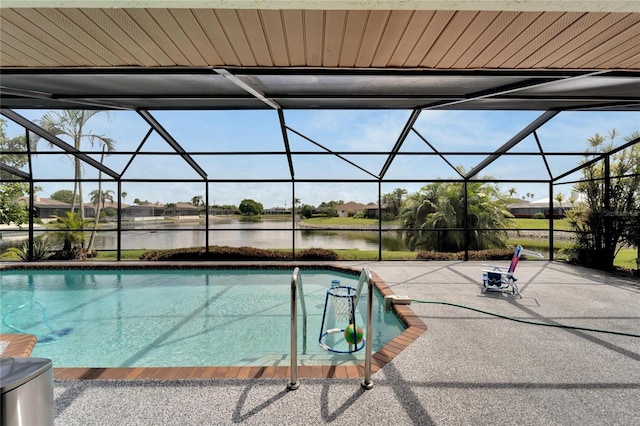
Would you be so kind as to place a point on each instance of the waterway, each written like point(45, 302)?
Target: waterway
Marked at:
point(268, 233)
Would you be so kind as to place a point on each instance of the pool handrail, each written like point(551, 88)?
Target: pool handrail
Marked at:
point(296, 287)
point(367, 383)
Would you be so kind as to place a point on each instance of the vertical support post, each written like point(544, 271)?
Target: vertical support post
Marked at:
point(465, 220)
point(294, 384)
point(607, 218)
point(293, 218)
point(367, 383)
point(206, 216)
point(551, 225)
point(379, 220)
point(119, 224)
point(31, 213)
point(32, 207)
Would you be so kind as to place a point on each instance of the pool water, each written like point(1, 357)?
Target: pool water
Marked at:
point(175, 317)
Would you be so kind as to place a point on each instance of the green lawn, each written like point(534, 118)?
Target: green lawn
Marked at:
point(124, 254)
point(542, 224)
point(626, 258)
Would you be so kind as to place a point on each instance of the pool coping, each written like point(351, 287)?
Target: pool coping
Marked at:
point(415, 327)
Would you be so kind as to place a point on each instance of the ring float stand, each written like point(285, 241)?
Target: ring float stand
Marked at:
point(341, 299)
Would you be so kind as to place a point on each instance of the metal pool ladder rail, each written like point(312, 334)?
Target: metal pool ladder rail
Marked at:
point(296, 287)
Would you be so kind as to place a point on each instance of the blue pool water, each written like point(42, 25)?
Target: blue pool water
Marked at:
point(174, 317)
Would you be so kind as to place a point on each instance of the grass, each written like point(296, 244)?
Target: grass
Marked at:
point(540, 245)
point(542, 224)
point(626, 258)
point(124, 254)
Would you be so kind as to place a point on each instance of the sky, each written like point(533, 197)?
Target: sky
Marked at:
point(357, 131)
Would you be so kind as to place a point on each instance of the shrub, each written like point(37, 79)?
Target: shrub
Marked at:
point(73, 254)
point(317, 254)
point(538, 215)
point(41, 249)
point(236, 253)
point(436, 255)
point(387, 217)
point(216, 253)
point(489, 254)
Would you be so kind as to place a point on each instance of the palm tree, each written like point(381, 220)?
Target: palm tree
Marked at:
point(415, 213)
point(72, 233)
point(436, 214)
point(123, 195)
point(559, 198)
point(512, 191)
point(71, 123)
point(100, 198)
point(394, 200)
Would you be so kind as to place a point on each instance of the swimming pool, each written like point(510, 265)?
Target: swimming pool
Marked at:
point(174, 317)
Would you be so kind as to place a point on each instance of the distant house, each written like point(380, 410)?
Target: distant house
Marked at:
point(344, 209)
point(182, 209)
point(276, 210)
point(526, 209)
point(146, 210)
point(107, 205)
point(217, 211)
point(46, 207)
point(373, 211)
point(114, 205)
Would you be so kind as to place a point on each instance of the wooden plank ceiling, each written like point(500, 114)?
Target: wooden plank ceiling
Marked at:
point(423, 39)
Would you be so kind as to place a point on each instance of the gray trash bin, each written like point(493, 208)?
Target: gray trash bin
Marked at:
point(27, 391)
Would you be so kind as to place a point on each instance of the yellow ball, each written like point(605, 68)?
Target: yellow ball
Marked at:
point(353, 337)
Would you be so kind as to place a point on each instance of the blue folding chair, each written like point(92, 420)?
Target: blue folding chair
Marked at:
point(500, 278)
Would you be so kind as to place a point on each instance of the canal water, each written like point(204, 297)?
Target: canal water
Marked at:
point(270, 233)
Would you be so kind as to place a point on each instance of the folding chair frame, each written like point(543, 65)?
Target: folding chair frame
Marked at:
point(500, 279)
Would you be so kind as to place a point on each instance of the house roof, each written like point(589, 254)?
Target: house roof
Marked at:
point(150, 205)
point(351, 205)
point(186, 206)
point(45, 202)
point(113, 204)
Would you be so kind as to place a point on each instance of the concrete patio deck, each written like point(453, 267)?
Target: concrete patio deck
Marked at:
point(467, 368)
